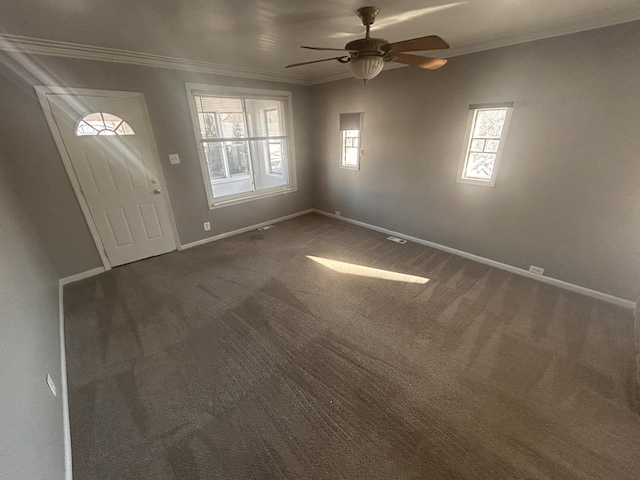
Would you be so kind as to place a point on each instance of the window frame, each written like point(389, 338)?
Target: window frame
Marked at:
point(194, 89)
point(343, 149)
point(123, 123)
point(349, 120)
point(468, 138)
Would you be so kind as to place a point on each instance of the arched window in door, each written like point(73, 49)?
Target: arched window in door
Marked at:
point(101, 123)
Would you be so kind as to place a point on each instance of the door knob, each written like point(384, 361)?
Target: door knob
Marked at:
point(157, 191)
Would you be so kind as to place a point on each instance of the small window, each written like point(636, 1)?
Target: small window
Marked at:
point(350, 126)
point(484, 139)
point(101, 123)
point(245, 142)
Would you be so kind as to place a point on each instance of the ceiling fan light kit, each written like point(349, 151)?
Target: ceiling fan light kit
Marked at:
point(365, 68)
point(368, 55)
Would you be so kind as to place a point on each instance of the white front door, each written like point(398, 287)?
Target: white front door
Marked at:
point(117, 172)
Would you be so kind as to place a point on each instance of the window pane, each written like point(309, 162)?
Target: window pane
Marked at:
point(220, 117)
point(351, 157)
point(111, 121)
point(480, 165)
point(275, 157)
point(232, 125)
point(492, 146)
point(268, 163)
point(208, 125)
point(215, 159)
point(85, 128)
point(477, 145)
point(237, 157)
point(264, 117)
point(273, 123)
point(124, 129)
point(489, 123)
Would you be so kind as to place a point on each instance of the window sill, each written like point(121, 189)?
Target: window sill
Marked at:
point(249, 198)
point(482, 183)
point(231, 179)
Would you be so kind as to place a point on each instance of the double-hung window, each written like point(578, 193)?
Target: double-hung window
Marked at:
point(245, 142)
point(484, 140)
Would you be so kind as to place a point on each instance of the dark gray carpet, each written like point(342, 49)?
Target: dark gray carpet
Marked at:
point(245, 359)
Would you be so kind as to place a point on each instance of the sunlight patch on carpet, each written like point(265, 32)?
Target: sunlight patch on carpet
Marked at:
point(362, 271)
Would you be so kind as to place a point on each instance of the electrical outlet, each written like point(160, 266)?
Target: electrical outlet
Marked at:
point(207, 226)
point(536, 270)
point(397, 240)
point(174, 159)
point(337, 213)
point(51, 384)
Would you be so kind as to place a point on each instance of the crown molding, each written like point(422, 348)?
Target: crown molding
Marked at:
point(53, 48)
point(582, 23)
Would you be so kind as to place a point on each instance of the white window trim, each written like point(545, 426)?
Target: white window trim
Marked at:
point(208, 89)
point(467, 143)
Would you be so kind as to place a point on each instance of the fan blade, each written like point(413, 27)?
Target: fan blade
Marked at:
point(322, 48)
point(418, 61)
point(431, 42)
point(317, 61)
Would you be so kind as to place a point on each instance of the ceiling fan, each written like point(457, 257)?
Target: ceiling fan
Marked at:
point(367, 55)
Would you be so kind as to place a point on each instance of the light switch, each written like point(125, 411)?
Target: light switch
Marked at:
point(174, 159)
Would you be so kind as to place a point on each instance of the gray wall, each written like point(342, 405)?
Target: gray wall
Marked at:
point(567, 196)
point(42, 178)
point(31, 422)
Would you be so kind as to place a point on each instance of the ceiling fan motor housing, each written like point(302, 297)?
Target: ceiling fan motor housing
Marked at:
point(366, 47)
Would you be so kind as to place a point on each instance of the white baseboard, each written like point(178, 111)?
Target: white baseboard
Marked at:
point(66, 425)
point(82, 275)
point(503, 266)
point(68, 467)
point(243, 230)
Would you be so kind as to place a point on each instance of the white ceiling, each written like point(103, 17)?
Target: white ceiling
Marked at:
point(265, 35)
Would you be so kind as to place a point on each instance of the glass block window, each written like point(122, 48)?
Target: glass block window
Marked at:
point(486, 130)
point(245, 142)
point(101, 123)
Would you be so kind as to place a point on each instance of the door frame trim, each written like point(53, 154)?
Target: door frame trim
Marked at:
point(42, 92)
